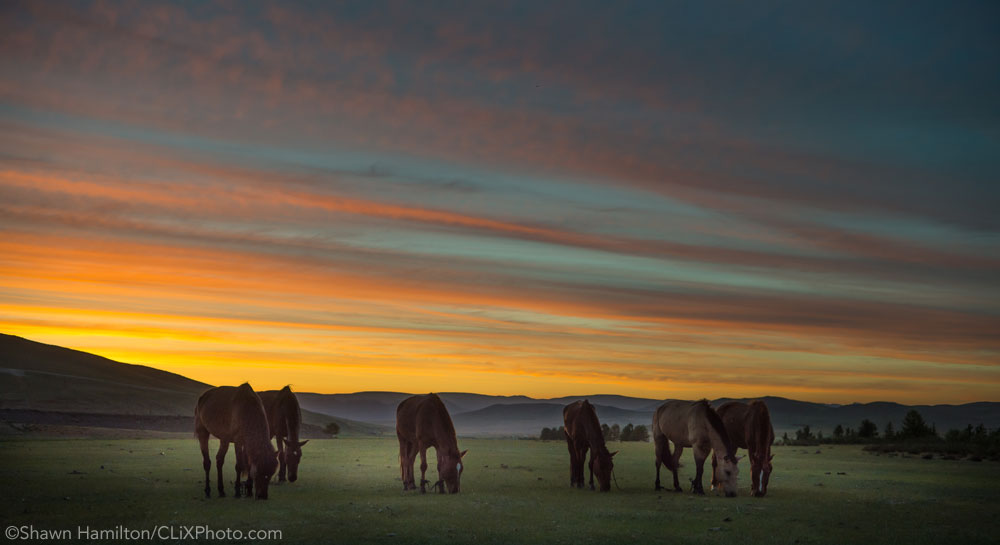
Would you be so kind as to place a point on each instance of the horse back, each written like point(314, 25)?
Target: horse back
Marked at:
point(214, 412)
point(672, 420)
point(424, 419)
point(581, 423)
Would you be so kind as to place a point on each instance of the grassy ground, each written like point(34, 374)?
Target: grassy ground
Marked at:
point(512, 492)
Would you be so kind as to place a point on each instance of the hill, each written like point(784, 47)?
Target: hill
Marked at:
point(46, 384)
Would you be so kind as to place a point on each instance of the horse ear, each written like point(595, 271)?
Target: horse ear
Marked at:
point(302, 444)
point(463, 453)
point(613, 454)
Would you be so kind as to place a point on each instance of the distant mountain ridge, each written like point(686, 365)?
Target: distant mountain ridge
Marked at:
point(40, 377)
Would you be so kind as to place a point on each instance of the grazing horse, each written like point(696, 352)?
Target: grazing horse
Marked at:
point(284, 418)
point(236, 415)
point(583, 432)
point(422, 421)
point(694, 424)
point(749, 427)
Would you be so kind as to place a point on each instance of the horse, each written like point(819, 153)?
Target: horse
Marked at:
point(694, 424)
point(284, 418)
point(583, 432)
point(749, 427)
point(236, 415)
point(422, 421)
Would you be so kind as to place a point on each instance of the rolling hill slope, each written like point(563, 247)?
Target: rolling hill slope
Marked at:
point(41, 383)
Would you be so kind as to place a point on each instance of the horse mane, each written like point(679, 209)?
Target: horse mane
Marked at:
point(716, 423)
point(289, 402)
point(447, 428)
point(593, 429)
point(253, 422)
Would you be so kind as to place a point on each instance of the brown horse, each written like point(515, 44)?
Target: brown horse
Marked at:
point(284, 418)
point(749, 427)
point(694, 424)
point(236, 415)
point(583, 432)
point(422, 421)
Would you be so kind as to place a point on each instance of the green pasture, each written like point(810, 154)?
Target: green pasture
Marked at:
point(512, 492)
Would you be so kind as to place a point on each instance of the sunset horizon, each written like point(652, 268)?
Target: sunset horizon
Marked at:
point(519, 200)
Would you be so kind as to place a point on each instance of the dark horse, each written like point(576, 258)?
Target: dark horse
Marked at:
point(694, 424)
point(583, 432)
point(284, 418)
point(236, 415)
point(422, 421)
point(749, 427)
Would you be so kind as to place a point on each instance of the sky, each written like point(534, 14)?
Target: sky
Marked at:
point(653, 199)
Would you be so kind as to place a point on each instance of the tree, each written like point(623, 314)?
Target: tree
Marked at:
point(615, 434)
point(605, 431)
point(332, 428)
point(553, 434)
point(914, 426)
point(868, 429)
point(805, 434)
point(627, 432)
point(838, 432)
point(889, 432)
point(640, 433)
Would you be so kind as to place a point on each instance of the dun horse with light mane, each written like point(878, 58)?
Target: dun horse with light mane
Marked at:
point(694, 424)
point(236, 415)
point(749, 427)
point(422, 421)
point(284, 419)
point(583, 432)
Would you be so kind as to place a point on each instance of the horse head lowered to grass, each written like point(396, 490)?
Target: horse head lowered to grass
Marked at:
point(694, 424)
point(284, 419)
point(422, 421)
point(749, 427)
point(583, 433)
point(236, 415)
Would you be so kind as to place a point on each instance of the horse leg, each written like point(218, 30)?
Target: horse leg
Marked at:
point(282, 450)
point(700, 453)
point(755, 470)
point(245, 464)
point(423, 471)
point(662, 456)
point(581, 457)
point(220, 458)
point(406, 454)
point(590, 465)
point(206, 460)
point(675, 462)
point(573, 461)
point(715, 469)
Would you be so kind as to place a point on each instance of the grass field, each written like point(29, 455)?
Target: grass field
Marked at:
point(512, 492)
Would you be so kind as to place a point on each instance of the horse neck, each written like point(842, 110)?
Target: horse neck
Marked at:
point(594, 437)
point(256, 438)
point(293, 418)
point(717, 434)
